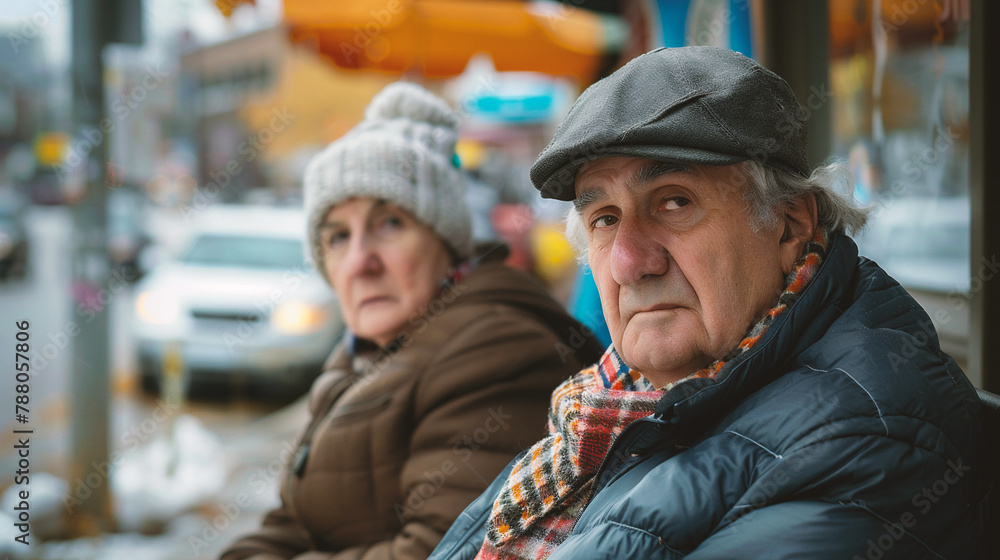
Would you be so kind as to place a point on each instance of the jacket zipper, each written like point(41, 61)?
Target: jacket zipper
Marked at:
point(604, 462)
point(303, 448)
point(298, 463)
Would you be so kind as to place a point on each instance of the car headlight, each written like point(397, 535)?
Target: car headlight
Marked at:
point(157, 308)
point(298, 317)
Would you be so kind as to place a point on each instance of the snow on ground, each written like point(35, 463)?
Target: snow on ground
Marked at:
point(201, 488)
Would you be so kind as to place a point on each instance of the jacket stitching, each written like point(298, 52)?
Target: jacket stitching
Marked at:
point(948, 371)
point(850, 436)
point(884, 520)
point(877, 409)
point(938, 354)
point(911, 443)
point(924, 422)
point(658, 538)
point(943, 361)
point(757, 443)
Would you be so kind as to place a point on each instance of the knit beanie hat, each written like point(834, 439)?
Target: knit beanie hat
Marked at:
point(402, 152)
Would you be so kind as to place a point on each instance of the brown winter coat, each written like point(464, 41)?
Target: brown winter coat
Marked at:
point(417, 434)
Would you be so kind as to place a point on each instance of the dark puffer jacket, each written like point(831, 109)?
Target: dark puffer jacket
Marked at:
point(395, 450)
point(844, 433)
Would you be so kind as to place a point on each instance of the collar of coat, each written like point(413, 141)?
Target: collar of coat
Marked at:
point(541, 498)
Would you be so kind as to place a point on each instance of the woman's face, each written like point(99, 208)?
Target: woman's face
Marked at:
point(384, 265)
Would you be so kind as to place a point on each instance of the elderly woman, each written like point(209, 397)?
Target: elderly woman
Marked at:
point(447, 369)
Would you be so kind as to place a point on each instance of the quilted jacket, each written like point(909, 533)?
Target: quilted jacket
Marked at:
point(845, 432)
point(397, 448)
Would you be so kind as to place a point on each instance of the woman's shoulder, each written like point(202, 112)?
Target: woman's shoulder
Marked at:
point(499, 310)
point(491, 299)
point(497, 286)
point(475, 326)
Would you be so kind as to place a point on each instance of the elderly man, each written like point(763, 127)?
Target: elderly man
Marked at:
point(769, 393)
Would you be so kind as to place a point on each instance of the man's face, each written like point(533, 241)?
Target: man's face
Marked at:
point(681, 273)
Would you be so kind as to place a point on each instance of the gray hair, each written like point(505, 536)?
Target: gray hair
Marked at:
point(767, 188)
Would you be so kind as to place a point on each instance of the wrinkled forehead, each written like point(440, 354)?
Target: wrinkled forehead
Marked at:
point(596, 176)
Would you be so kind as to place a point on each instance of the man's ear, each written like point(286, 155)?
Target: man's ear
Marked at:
point(799, 220)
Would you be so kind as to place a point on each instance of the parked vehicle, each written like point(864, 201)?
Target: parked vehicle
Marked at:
point(240, 307)
point(13, 236)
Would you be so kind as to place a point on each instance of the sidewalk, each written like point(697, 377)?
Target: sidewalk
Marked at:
point(250, 451)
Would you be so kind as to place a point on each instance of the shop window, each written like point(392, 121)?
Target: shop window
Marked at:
point(900, 76)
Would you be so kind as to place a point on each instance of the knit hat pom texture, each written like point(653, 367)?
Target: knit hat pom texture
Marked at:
point(402, 152)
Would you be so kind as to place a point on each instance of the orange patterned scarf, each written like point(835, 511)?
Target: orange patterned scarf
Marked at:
point(548, 487)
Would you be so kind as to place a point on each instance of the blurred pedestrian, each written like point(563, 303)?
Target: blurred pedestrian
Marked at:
point(449, 362)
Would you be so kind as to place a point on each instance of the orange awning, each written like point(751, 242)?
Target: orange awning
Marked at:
point(851, 25)
point(436, 38)
point(227, 6)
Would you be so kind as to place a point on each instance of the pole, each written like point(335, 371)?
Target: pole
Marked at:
point(90, 512)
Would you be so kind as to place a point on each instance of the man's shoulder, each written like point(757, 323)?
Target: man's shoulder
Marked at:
point(863, 386)
point(880, 358)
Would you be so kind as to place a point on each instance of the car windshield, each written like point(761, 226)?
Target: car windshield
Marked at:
point(245, 251)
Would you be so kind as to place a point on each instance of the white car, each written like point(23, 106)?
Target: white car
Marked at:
point(240, 307)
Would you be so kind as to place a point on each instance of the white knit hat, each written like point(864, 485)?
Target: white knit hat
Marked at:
point(402, 152)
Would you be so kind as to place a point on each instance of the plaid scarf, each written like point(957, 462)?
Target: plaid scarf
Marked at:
point(544, 495)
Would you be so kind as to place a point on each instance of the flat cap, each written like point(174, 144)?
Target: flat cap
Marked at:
point(701, 105)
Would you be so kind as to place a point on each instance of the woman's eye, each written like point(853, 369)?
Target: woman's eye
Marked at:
point(390, 223)
point(674, 203)
point(336, 238)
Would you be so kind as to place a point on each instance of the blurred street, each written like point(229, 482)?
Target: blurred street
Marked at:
point(250, 435)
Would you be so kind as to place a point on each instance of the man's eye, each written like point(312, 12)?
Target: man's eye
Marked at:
point(605, 221)
point(674, 203)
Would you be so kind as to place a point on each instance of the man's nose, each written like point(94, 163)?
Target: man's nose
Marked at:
point(635, 254)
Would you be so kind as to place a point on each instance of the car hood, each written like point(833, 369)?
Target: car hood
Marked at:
point(236, 288)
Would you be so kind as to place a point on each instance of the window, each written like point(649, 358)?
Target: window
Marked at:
point(900, 75)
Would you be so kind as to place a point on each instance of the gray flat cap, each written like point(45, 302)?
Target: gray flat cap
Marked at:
point(702, 105)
